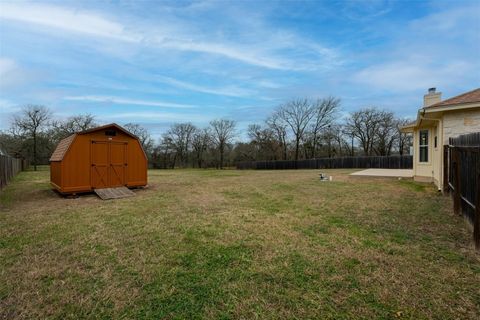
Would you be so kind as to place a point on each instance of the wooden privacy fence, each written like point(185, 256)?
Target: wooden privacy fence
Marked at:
point(9, 167)
point(462, 177)
point(385, 162)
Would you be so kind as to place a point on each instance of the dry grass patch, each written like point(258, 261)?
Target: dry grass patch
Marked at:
point(237, 244)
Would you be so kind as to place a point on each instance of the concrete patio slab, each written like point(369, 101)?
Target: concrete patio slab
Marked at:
point(394, 173)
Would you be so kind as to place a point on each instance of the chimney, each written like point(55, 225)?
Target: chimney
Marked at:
point(432, 97)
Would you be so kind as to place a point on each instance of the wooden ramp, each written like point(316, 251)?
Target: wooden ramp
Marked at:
point(114, 193)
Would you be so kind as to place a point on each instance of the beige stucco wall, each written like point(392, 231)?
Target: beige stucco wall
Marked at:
point(449, 124)
point(460, 122)
point(437, 153)
point(443, 124)
point(423, 169)
point(432, 170)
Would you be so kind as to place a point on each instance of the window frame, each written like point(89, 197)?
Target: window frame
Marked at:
point(424, 146)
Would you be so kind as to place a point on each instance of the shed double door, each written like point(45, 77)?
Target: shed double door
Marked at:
point(108, 164)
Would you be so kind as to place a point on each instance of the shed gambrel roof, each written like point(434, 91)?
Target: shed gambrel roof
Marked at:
point(64, 144)
point(114, 125)
point(467, 97)
point(62, 148)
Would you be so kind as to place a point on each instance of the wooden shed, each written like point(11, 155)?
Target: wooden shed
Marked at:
point(103, 157)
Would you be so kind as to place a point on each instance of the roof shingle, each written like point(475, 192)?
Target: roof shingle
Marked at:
point(467, 97)
point(62, 148)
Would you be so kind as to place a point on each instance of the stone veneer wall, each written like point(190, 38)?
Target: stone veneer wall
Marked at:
point(460, 122)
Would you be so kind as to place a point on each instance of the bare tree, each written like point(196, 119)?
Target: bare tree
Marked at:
point(200, 142)
point(263, 141)
point(143, 136)
point(386, 133)
point(340, 139)
point(279, 128)
point(404, 139)
point(333, 140)
point(223, 131)
point(165, 154)
point(181, 136)
point(62, 129)
point(349, 137)
point(297, 114)
point(31, 121)
point(323, 116)
point(77, 123)
point(12, 143)
point(363, 124)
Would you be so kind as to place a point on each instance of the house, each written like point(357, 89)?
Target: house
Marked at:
point(436, 122)
point(103, 157)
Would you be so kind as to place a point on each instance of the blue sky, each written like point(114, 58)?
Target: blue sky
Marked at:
point(156, 63)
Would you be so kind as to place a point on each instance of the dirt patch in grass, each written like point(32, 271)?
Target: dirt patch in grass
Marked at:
point(235, 245)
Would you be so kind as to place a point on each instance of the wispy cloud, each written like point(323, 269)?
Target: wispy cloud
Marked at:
point(448, 21)
point(148, 62)
point(268, 84)
point(8, 106)
point(67, 20)
point(91, 23)
point(439, 49)
point(231, 91)
point(7, 110)
point(365, 10)
point(119, 100)
point(232, 51)
point(161, 116)
point(13, 75)
point(408, 75)
point(6, 66)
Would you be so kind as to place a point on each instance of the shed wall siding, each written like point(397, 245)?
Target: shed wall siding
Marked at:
point(73, 173)
point(77, 164)
point(137, 166)
point(56, 173)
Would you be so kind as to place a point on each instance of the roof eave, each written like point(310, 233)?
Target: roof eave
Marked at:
point(407, 128)
point(453, 107)
point(107, 126)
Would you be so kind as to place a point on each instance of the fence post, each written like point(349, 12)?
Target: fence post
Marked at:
point(476, 223)
point(456, 191)
point(446, 165)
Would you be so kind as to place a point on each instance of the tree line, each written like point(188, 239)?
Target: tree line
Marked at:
point(307, 129)
point(298, 129)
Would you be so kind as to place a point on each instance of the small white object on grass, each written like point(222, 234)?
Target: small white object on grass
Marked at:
point(324, 177)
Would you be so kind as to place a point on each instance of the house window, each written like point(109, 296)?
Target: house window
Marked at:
point(423, 145)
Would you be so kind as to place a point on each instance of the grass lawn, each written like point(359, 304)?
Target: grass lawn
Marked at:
point(237, 245)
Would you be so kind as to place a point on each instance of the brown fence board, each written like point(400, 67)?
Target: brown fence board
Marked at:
point(383, 162)
point(463, 177)
point(9, 167)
